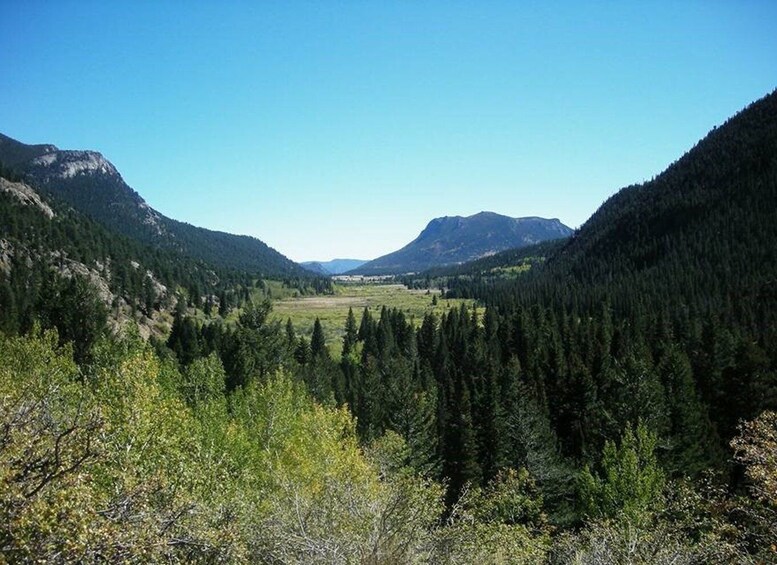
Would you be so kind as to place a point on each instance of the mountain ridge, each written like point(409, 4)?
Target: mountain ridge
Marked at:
point(703, 221)
point(449, 240)
point(90, 183)
point(711, 182)
point(333, 266)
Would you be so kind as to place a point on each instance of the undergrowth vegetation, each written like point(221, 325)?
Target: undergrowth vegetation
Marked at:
point(129, 458)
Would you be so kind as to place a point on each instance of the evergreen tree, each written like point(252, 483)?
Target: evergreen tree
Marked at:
point(631, 480)
point(318, 341)
point(692, 441)
point(8, 311)
point(184, 339)
point(302, 352)
point(351, 334)
point(74, 308)
point(149, 296)
point(223, 306)
point(460, 463)
point(412, 413)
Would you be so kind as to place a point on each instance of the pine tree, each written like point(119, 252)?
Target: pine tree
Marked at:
point(412, 413)
point(692, 440)
point(184, 339)
point(460, 462)
point(351, 333)
point(8, 310)
point(291, 335)
point(631, 480)
point(223, 306)
point(492, 424)
point(318, 341)
point(371, 414)
point(302, 351)
point(368, 335)
point(149, 296)
point(75, 309)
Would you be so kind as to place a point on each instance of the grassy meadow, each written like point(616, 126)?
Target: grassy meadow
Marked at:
point(332, 310)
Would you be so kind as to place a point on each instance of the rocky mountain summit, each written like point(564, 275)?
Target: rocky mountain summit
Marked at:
point(452, 240)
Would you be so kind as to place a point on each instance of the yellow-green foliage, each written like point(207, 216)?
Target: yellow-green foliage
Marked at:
point(756, 448)
point(323, 501)
point(631, 481)
point(99, 466)
point(128, 460)
point(463, 543)
point(501, 524)
point(657, 542)
point(512, 269)
point(48, 436)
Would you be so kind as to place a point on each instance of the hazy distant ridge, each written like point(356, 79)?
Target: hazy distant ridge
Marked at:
point(333, 267)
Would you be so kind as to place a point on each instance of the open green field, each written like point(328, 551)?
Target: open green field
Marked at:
point(332, 310)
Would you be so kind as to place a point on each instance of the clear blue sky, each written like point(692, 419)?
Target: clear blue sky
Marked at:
point(339, 129)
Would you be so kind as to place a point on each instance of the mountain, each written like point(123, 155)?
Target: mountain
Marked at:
point(90, 183)
point(510, 261)
point(695, 245)
point(45, 245)
point(709, 221)
point(456, 239)
point(615, 376)
point(316, 267)
point(51, 253)
point(333, 267)
point(14, 153)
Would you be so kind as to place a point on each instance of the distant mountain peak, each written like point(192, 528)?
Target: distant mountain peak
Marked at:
point(450, 240)
point(333, 267)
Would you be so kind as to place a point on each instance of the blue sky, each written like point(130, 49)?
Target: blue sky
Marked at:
point(339, 129)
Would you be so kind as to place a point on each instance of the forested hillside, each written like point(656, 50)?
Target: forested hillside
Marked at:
point(89, 183)
point(53, 258)
point(507, 264)
point(612, 400)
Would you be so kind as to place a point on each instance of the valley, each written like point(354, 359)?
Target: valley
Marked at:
point(332, 310)
point(608, 394)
